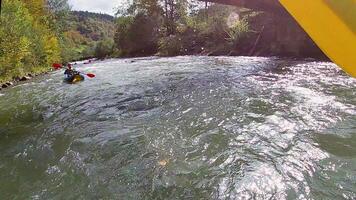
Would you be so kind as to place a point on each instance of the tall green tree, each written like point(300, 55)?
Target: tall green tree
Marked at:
point(137, 35)
point(27, 42)
point(104, 48)
point(58, 14)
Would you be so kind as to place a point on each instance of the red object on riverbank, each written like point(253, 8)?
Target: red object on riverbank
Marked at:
point(56, 66)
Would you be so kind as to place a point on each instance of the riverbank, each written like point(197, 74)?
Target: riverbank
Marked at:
point(18, 79)
point(6, 84)
point(236, 32)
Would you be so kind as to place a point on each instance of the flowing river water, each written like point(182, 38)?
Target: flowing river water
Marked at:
point(182, 128)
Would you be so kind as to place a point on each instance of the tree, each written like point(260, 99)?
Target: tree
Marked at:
point(27, 42)
point(104, 48)
point(237, 32)
point(58, 11)
point(58, 6)
point(137, 35)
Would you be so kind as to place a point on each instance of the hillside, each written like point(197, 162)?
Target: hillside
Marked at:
point(93, 26)
point(85, 30)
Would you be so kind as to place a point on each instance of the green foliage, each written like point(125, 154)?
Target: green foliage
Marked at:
point(137, 35)
point(84, 30)
point(238, 32)
point(168, 25)
point(58, 6)
point(104, 48)
point(147, 7)
point(59, 11)
point(89, 51)
point(199, 33)
point(27, 42)
point(170, 45)
point(93, 26)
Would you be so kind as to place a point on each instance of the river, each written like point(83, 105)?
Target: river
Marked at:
point(182, 128)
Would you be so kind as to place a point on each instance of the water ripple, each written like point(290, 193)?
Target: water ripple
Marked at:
point(182, 128)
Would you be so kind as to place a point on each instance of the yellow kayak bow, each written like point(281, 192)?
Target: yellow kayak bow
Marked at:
point(332, 26)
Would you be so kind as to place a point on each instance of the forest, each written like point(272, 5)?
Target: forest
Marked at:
point(188, 27)
point(34, 34)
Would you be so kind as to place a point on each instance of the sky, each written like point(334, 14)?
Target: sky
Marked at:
point(99, 6)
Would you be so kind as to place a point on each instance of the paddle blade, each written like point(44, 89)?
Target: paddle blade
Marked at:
point(56, 66)
point(91, 75)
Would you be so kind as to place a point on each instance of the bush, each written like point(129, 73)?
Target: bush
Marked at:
point(89, 51)
point(170, 45)
point(237, 32)
point(137, 35)
point(104, 48)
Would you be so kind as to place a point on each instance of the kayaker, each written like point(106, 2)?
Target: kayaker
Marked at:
point(69, 71)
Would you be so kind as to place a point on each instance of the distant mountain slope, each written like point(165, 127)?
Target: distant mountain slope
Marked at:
point(94, 26)
point(84, 31)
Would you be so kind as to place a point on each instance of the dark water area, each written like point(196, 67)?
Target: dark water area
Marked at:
point(182, 128)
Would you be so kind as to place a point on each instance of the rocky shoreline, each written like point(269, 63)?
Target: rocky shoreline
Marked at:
point(20, 79)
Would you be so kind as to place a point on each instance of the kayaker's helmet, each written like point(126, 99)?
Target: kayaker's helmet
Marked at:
point(69, 66)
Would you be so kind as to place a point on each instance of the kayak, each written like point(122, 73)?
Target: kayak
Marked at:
point(74, 79)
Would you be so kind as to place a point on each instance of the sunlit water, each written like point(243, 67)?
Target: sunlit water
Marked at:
point(182, 128)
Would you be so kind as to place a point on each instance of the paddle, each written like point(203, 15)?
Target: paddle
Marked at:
point(57, 66)
point(90, 75)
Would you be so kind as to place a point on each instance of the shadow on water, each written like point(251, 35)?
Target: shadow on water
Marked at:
point(340, 141)
point(338, 146)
